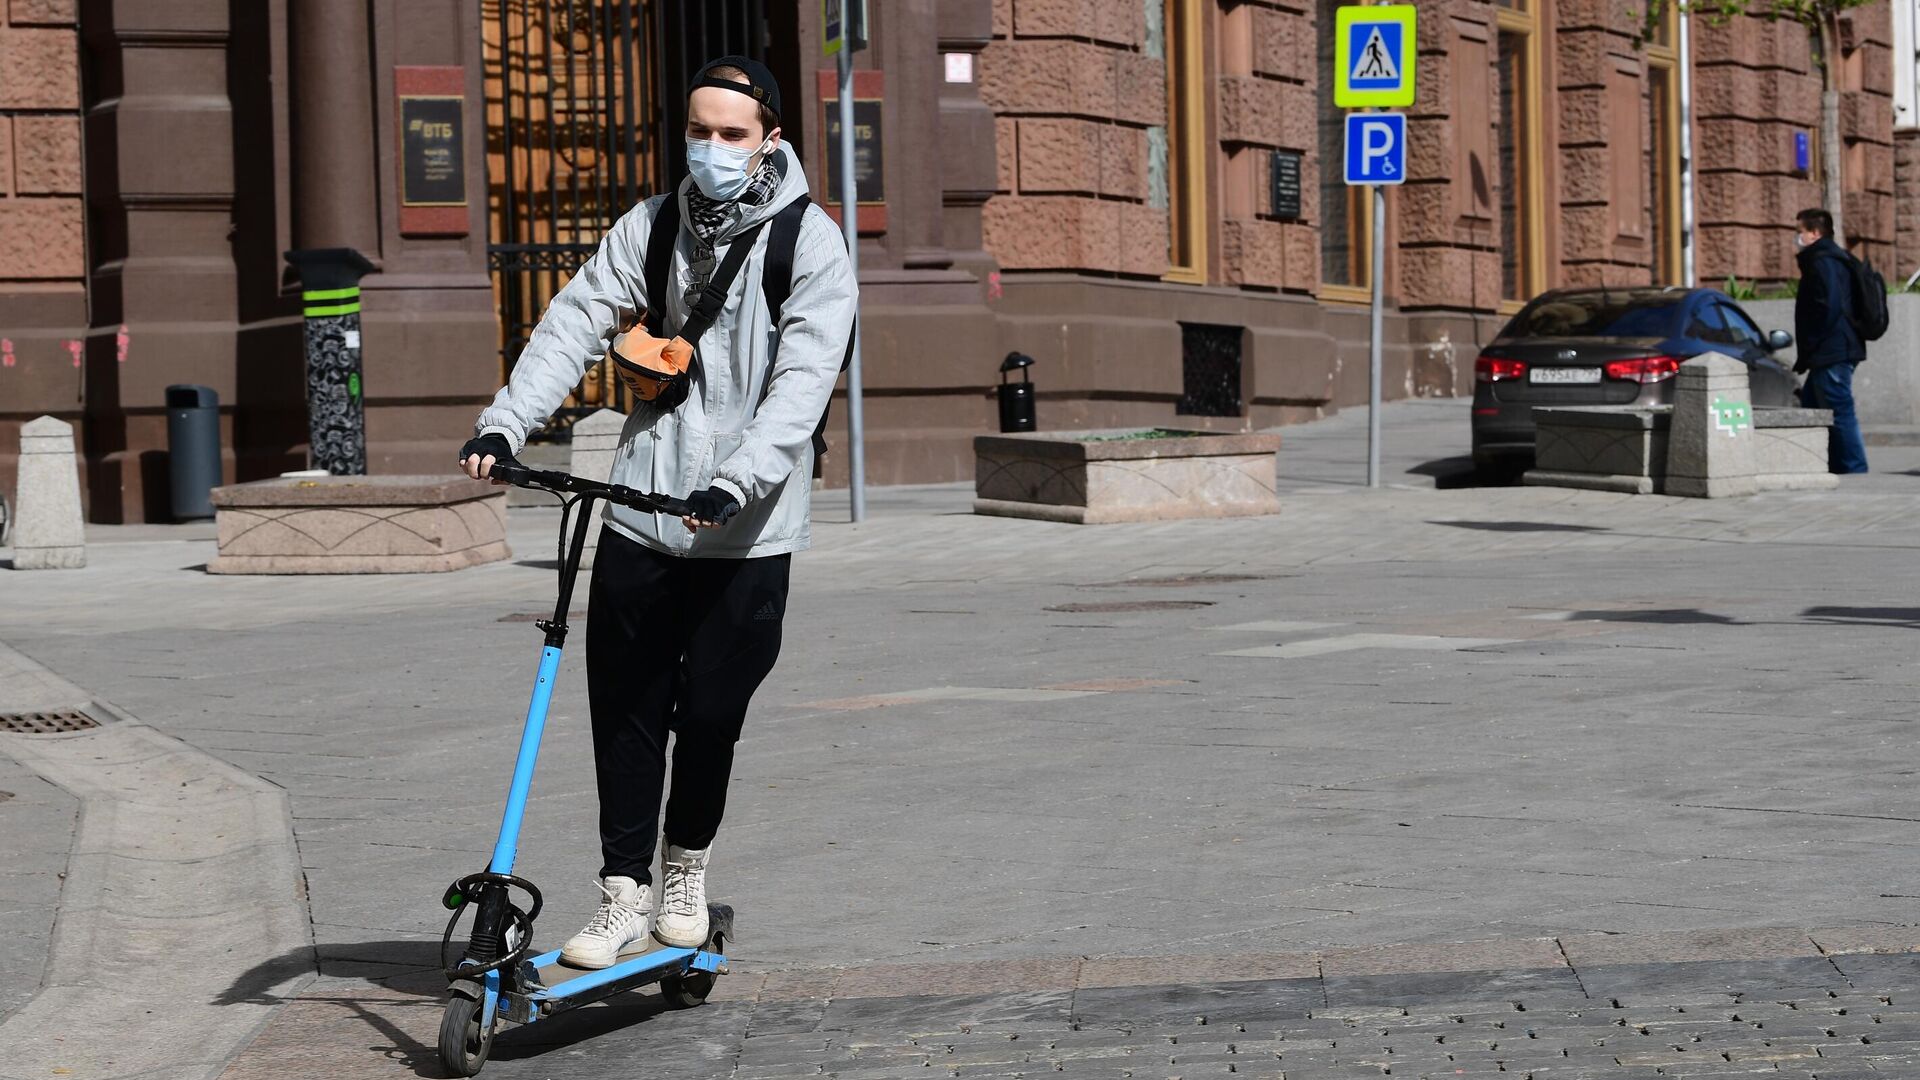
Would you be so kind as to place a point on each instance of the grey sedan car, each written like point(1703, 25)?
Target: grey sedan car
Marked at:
point(1598, 346)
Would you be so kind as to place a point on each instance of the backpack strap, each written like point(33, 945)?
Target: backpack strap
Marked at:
point(713, 299)
point(776, 278)
point(660, 242)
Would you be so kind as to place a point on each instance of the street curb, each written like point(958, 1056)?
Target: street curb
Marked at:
point(183, 918)
point(1065, 973)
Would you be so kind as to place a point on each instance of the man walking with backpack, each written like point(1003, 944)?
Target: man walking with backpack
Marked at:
point(747, 298)
point(1828, 312)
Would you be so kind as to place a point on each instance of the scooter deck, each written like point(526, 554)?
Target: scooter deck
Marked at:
point(556, 986)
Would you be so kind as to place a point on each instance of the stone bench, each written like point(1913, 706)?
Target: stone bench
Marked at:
point(1612, 448)
point(358, 525)
point(1095, 477)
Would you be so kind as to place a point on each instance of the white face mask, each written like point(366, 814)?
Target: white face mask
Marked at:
point(719, 170)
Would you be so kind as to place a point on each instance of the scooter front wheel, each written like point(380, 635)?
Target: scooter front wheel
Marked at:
point(464, 1040)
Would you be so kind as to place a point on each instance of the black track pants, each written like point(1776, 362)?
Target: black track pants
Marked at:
point(672, 644)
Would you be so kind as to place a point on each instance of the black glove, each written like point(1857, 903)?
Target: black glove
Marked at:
point(712, 505)
point(492, 443)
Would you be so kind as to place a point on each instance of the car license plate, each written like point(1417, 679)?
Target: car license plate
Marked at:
point(1563, 374)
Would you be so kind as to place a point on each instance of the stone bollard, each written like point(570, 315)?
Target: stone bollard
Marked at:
point(50, 533)
point(595, 438)
point(1710, 447)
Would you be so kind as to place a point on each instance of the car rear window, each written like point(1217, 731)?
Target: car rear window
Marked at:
point(1596, 315)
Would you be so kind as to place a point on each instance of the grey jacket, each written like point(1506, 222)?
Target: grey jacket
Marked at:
point(758, 391)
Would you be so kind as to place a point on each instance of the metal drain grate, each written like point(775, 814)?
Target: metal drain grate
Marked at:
point(57, 722)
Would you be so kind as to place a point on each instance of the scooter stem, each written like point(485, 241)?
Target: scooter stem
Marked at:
point(507, 846)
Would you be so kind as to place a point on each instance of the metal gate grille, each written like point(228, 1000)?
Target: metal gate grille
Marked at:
point(584, 115)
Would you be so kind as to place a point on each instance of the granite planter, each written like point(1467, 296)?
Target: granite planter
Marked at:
point(1128, 474)
point(358, 525)
point(1627, 449)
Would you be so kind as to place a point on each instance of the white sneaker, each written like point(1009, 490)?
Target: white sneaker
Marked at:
point(682, 921)
point(620, 921)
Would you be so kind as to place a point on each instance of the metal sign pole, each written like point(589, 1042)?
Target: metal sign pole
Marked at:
point(1376, 269)
point(850, 224)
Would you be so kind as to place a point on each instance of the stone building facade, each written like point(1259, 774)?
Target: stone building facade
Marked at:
point(1087, 181)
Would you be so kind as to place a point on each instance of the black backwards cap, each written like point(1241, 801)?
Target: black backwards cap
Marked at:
point(759, 85)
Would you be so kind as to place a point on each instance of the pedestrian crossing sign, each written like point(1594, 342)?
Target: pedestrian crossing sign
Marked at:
point(1374, 56)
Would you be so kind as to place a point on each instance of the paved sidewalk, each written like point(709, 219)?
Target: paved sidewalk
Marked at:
point(1421, 715)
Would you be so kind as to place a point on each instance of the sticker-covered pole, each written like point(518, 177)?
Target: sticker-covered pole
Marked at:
point(336, 409)
point(850, 223)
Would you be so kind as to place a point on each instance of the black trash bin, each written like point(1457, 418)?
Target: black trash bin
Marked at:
point(193, 449)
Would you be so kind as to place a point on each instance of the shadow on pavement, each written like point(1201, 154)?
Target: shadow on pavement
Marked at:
point(1873, 616)
point(1520, 526)
point(1662, 616)
point(1459, 472)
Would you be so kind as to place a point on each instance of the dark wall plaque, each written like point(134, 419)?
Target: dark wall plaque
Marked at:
point(868, 165)
point(1286, 185)
point(433, 151)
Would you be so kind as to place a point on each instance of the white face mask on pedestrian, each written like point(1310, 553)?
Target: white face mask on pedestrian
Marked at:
point(721, 171)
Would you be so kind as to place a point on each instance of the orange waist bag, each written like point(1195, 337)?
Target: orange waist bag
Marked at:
point(653, 368)
point(659, 370)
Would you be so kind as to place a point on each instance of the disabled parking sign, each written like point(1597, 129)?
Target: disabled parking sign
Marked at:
point(1374, 56)
point(1376, 148)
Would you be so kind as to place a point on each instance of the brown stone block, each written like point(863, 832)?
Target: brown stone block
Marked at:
point(6, 156)
point(1583, 117)
point(1429, 150)
point(1052, 233)
point(1145, 233)
point(1614, 15)
point(1059, 155)
point(1116, 21)
point(1585, 58)
point(1729, 144)
point(1141, 89)
point(1876, 68)
point(47, 155)
point(1865, 116)
point(1277, 48)
point(1729, 197)
point(1048, 76)
point(1123, 161)
point(1729, 90)
point(1584, 174)
point(43, 12)
point(1250, 110)
point(1875, 167)
point(1438, 277)
point(1253, 253)
point(1425, 214)
point(43, 238)
point(1002, 18)
point(1006, 153)
point(1303, 257)
point(41, 68)
point(1586, 232)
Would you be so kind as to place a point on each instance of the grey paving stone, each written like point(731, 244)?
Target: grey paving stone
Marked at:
point(1537, 987)
point(1760, 980)
point(1196, 1006)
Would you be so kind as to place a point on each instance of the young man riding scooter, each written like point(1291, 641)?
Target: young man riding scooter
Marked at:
point(684, 616)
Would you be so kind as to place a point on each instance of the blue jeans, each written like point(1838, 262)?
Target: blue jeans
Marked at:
point(1831, 387)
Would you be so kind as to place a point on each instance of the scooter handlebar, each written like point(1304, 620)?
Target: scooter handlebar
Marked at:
point(512, 472)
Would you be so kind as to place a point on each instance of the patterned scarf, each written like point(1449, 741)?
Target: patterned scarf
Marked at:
point(708, 218)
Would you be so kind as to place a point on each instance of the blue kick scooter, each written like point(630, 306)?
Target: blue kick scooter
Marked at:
point(496, 979)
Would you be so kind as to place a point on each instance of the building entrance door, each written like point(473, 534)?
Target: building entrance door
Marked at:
point(585, 108)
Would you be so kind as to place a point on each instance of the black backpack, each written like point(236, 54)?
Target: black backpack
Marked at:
point(776, 278)
point(1869, 315)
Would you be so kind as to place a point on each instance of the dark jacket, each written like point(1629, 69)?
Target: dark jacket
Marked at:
point(1821, 324)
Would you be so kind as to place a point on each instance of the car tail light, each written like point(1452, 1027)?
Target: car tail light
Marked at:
point(1644, 369)
point(1498, 369)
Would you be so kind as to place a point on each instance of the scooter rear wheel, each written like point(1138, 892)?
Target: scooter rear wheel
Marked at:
point(687, 991)
point(464, 1044)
